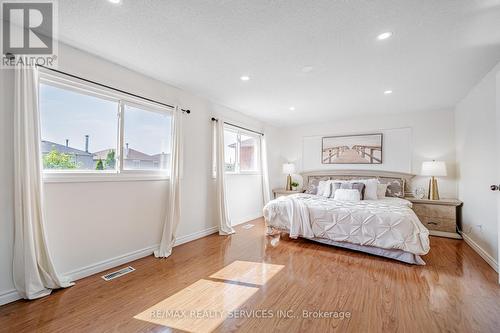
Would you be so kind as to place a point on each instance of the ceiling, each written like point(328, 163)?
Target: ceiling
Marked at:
point(438, 51)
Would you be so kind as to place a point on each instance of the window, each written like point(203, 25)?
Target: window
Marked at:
point(230, 149)
point(147, 139)
point(85, 129)
point(248, 153)
point(74, 127)
point(241, 151)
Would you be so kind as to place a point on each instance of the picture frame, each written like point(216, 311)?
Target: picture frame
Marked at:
point(352, 149)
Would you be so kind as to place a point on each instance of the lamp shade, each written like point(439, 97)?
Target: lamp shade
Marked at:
point(434, 168)
point(288, 168)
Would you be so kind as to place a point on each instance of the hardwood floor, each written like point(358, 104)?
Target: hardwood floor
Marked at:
point(457, 291)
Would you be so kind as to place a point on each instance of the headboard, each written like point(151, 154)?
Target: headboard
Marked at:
point(398, 182)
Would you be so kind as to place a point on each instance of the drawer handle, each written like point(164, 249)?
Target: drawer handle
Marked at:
point(435, 223)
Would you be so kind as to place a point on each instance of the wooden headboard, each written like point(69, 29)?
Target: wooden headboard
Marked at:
point(386, 177)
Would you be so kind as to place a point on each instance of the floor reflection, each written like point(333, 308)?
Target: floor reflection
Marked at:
point(248, 272)
point(200, 307)
point(205, 304)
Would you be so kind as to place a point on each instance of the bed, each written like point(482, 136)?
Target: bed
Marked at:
point(385, 227)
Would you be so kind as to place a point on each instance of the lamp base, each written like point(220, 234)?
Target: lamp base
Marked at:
point(433, 189)
point(288, 183)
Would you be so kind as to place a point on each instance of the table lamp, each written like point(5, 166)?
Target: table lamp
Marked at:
point(433, 169)
point(288, 169)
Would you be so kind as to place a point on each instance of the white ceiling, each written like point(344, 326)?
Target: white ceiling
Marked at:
point(439, 50)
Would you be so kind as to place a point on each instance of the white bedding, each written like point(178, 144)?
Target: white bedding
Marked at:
point(387, 223)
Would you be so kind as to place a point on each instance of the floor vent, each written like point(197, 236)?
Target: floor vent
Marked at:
point(248, 226)
point(121, 272)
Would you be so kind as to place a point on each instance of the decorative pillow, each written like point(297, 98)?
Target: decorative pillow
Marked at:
point(350, 195)
point(335, 186)
point(323, 186)
point(395, 187)
point(370, 188)
point(360, 187)
point(312, 185)
point(381, 190)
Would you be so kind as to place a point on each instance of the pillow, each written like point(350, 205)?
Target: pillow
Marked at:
point(360, 187)
point(328, 189)
point(395, 187)
point(312, 185)
point(349, 195)
point(322, 187)
point(335, 186)
point(311, 189)
point(381, 189)
point(370, 188)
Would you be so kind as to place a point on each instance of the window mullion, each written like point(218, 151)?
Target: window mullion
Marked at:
point(121, 122)
point(238, 147)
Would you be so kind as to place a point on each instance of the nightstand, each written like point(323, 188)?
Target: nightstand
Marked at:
point(439, 216)
point(279, 192)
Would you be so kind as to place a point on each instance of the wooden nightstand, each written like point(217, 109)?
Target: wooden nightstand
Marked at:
point(279, 192)
point(439, 216)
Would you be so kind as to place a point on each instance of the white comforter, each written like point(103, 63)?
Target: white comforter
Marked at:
point(387, 223)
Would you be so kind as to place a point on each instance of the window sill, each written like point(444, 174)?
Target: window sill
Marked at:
point(70, 177)
point(243, 173)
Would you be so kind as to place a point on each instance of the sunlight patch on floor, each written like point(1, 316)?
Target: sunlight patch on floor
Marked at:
point(205, 304)
point(200, 307)
point(257, 273)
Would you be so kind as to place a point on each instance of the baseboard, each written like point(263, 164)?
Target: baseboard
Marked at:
point(246, 219)
point(80, 273)
point(195, 235)
point(131, 256)
point(9, 296)
point(101, 266)
point(486, 256)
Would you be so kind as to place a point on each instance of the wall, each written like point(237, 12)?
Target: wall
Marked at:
point(243, 203)
point(477, 151)
point(409, 139)
point(396, 153)
point(95, 225)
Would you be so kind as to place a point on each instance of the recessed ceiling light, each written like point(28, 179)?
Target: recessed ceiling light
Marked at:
point(384, 35)
point(115, 1)
point(245, 78)
point(388, 92)
point(292, 108)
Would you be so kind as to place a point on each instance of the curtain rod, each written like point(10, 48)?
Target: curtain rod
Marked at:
point(243, 128)
point(112, 88)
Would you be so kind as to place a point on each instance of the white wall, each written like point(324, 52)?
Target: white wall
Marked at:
point(243, 203)
point(91, 224)
point(396, 153)
point(478, 151)
point(409, 139)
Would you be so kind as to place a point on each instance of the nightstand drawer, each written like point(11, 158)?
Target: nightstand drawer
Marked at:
point(438, 224)
point(439, 216)
point(435, 211)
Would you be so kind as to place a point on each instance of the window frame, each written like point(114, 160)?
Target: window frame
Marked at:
point(237, 167)
point(119, 173)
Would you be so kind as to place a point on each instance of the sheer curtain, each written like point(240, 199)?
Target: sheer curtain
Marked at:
point(174, 199)
point(220, 181)
point(266, 193)
point(33, 270)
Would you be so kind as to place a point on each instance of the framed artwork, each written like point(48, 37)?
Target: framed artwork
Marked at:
point(352, 149)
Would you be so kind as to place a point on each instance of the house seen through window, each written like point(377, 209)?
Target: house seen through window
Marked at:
point(80, 132)
point(241, 151)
